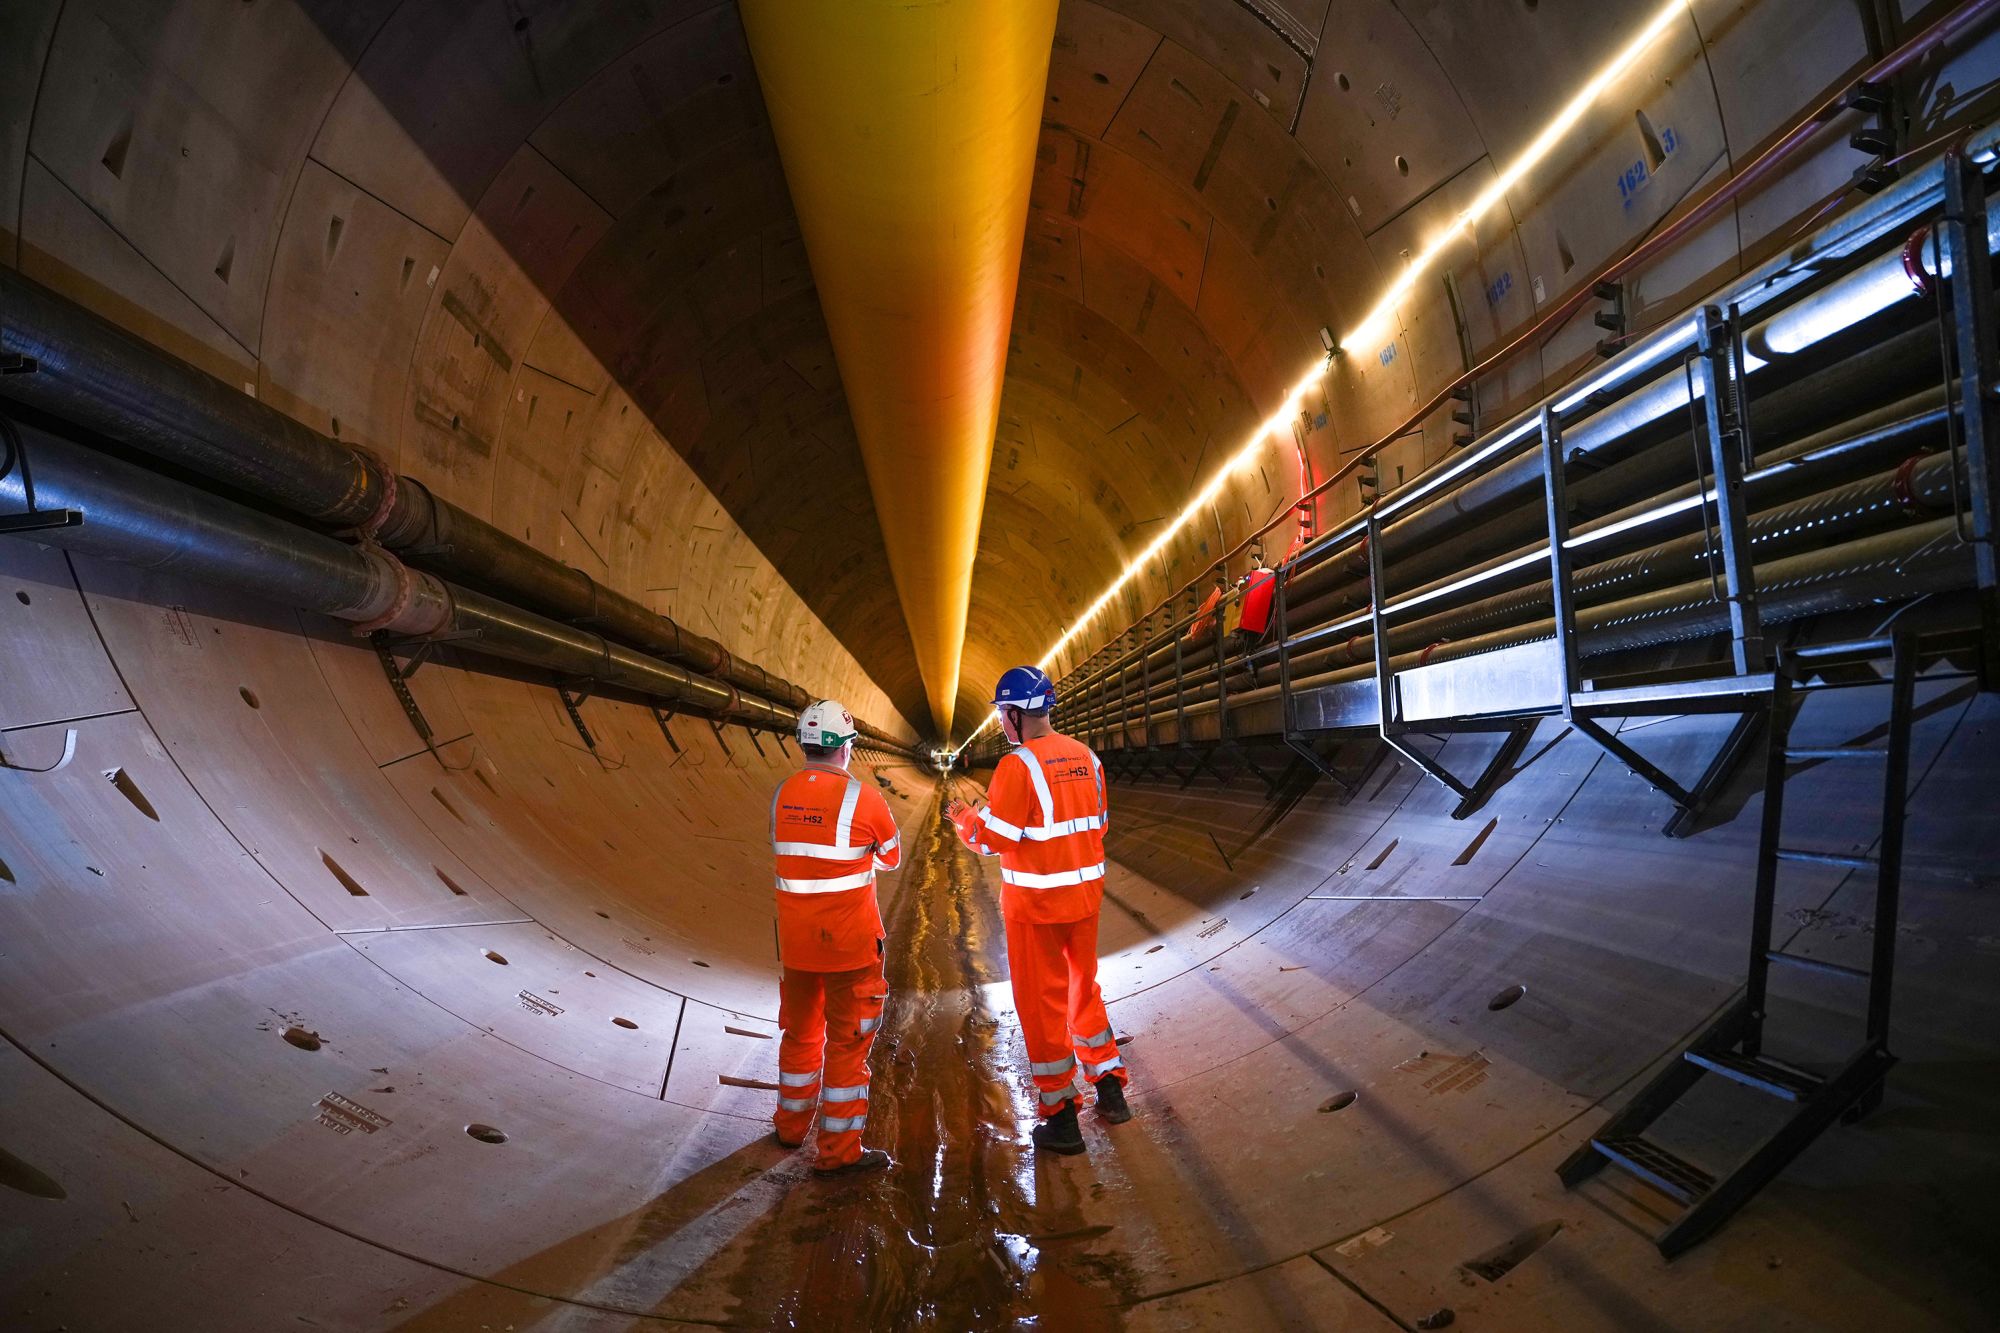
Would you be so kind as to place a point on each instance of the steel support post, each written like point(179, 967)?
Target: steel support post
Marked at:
point(1719, 342)
point(1889, 853)
point(1555, 491)
point(1962, 232)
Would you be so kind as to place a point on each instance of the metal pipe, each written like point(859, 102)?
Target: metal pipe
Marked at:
point(138, 517)
point(96, 375)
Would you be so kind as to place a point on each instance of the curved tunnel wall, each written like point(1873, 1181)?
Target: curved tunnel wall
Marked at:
point(545, 263)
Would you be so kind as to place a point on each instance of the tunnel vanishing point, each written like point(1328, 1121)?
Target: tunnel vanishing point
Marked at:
point(1506, 487)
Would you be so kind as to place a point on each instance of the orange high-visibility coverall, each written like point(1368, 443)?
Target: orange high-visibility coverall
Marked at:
point(831, 832)
point(1044, 816)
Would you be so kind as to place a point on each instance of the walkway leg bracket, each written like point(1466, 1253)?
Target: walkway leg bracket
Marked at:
point(573, 693)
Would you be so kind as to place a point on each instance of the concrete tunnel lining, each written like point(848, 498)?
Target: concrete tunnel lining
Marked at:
point(1265, 956)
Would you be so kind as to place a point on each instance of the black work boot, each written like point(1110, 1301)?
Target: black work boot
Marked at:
point(1111, 1100)
point(871, 1159)
point(1059, 1133)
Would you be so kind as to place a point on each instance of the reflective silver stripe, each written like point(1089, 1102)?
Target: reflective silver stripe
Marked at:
point(1101, 1039)
point(834, 885)
point(1081, 824)
point(1041, 782)
point(856, 1094)
point(837, 1124)
point(798, 1080)
point(1096, 1072)
point(868, 1025)
point(1022, 879)
point(820, 851)
point(849, 799)
point(1058, 1098)
point(895, 841)
point(1049, 1068)
point(998, 825)
point(795, 1103)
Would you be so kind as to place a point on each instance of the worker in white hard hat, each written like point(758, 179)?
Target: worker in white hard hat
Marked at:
point(830, 832)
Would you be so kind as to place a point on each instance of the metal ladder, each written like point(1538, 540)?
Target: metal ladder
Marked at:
point(1733, 1047)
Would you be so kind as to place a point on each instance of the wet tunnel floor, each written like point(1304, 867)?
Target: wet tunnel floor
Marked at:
point(954, 1235)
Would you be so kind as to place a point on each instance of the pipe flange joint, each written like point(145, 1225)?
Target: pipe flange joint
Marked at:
point(372, 464)
point(1913, 260)
point(384, 610)
point(1903, 490)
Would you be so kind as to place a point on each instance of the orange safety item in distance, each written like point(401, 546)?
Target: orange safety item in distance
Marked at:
point(1204, 627)
point(1255, 616)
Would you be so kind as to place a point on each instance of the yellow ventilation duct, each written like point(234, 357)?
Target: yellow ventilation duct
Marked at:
point(907, 132)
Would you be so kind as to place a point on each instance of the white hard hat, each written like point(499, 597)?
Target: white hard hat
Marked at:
point(827, 724)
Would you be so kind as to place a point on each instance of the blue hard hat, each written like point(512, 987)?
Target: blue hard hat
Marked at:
point(1024, 687)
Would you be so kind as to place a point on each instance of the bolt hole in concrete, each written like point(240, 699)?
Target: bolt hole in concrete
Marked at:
point(1503, 1259)
point(7, 873)
point(605, 915)
point(492, 957)
point(625, 1023)
point(23, 598)
point(1340, 1101)
point(1342, 82)
point(1402, 165)
point(1478, 841)
point(450, 883)
point(347, 881)
point(1506, 997)
point(249, 696)
point(304, 1040)
point(485, 1133)
point(16, 1174)
point(1099, 78)
point(697, 962)
point(129, 789)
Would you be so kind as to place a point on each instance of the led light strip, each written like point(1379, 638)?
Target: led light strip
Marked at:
point(1280, 421)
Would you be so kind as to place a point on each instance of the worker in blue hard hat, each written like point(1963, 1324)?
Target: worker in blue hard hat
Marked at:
point(1044, 817)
